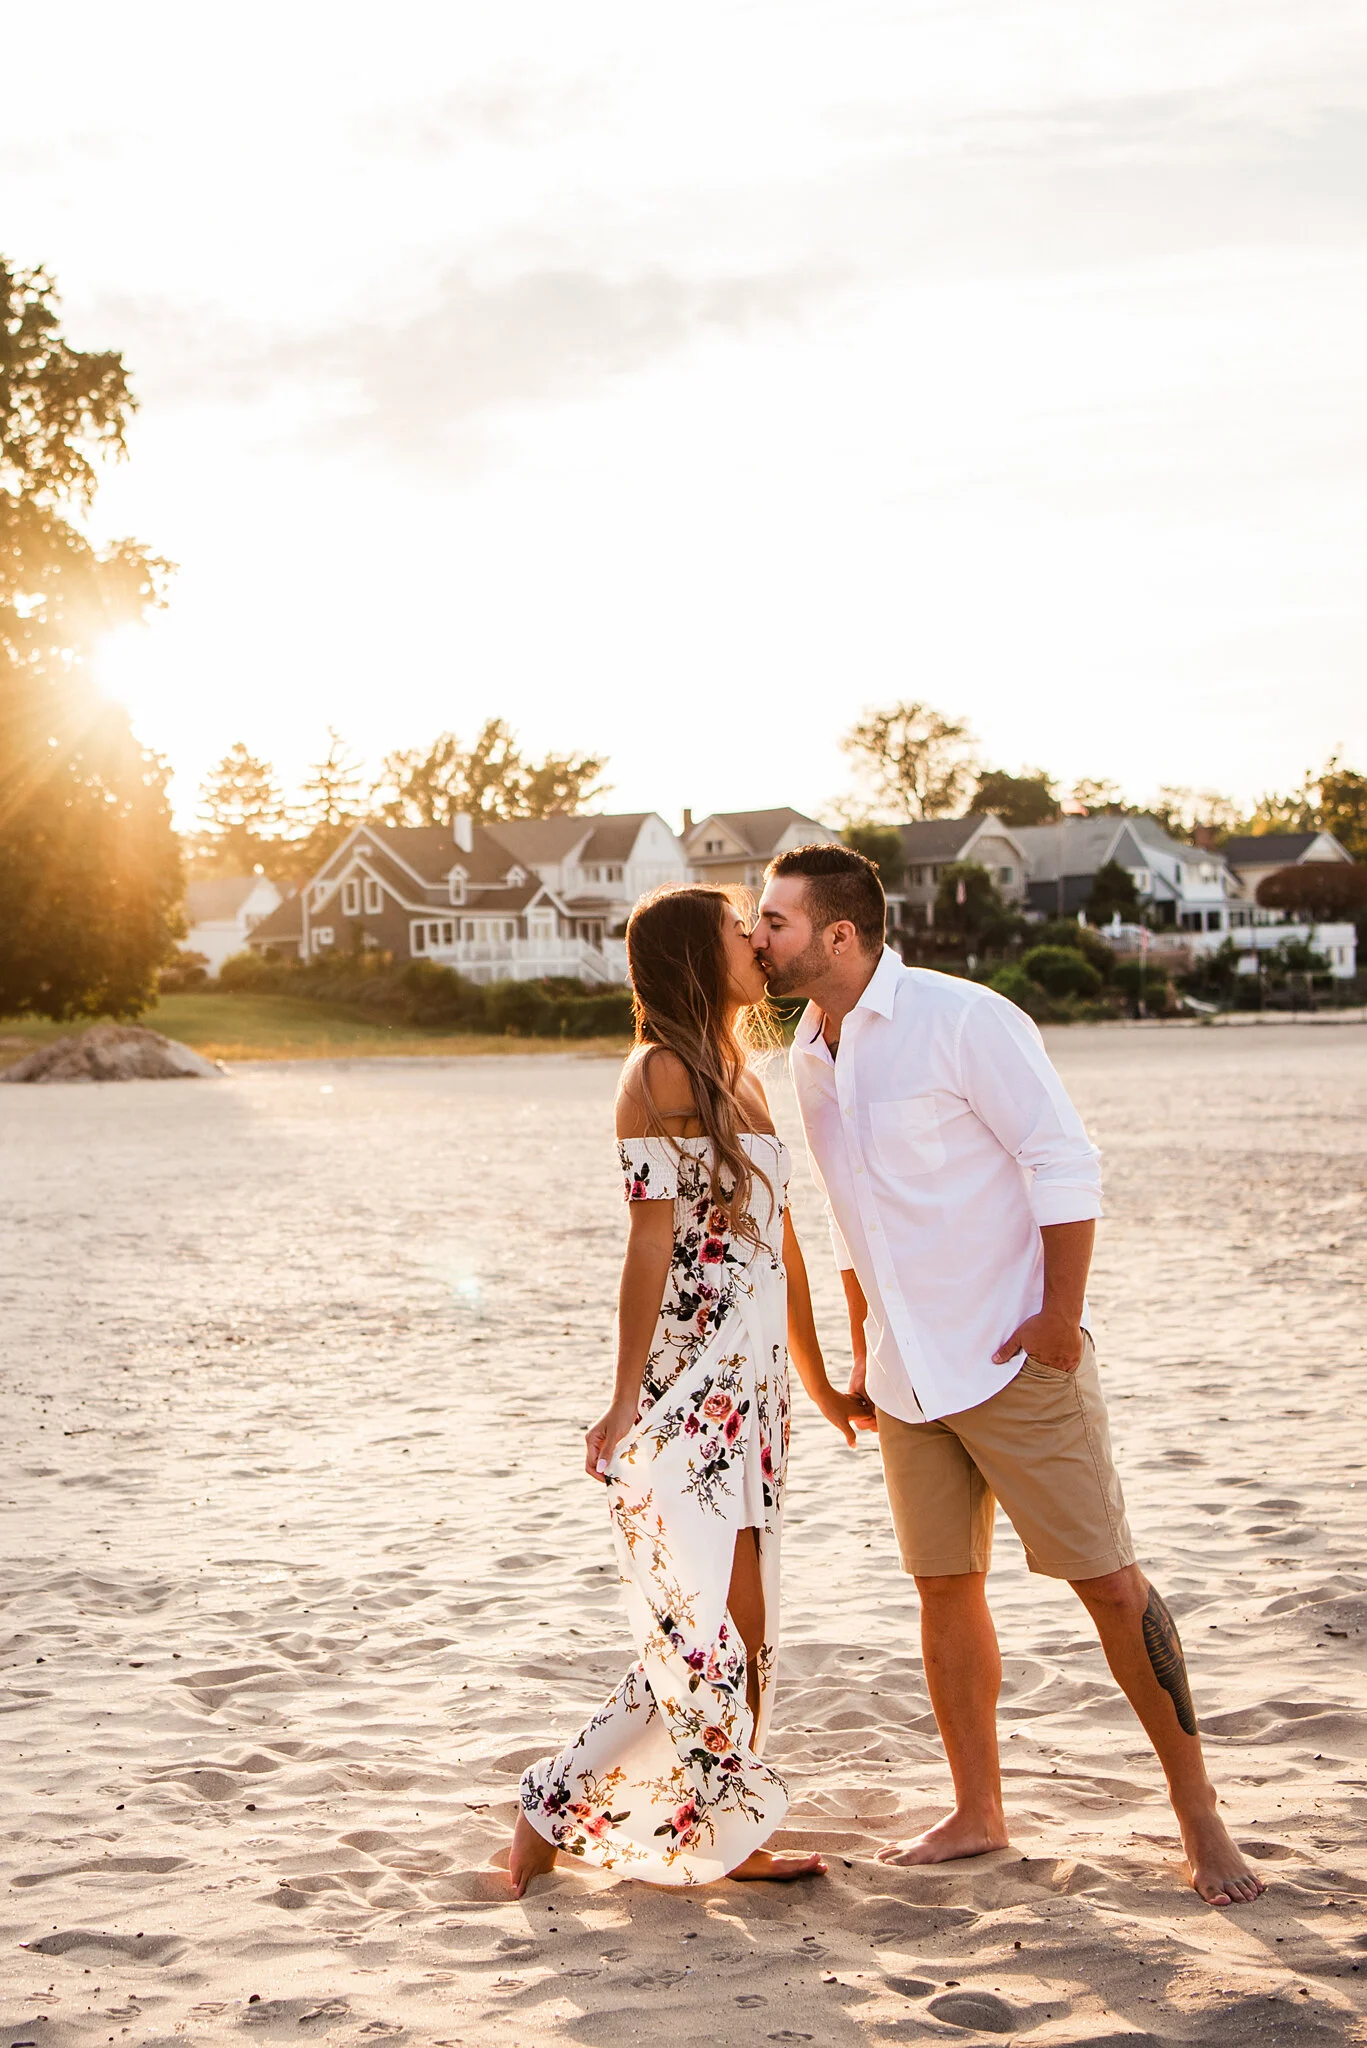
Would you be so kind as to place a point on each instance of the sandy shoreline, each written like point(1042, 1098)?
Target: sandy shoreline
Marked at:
point(300, 1570)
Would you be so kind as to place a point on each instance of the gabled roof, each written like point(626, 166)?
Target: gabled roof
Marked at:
point(532, 839)
point(758, 832)
point(432, 851)
point(218, 896)
point(615, 838)
point(939, 838)
point(286, 921)
point(1071, 846)
point(1276, 849)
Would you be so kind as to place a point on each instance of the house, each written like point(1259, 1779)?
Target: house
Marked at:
point(929, 845)
point(223, 911)
point(505, 901)
point(737, 846)
point(1190, 888)
point(1255, 856)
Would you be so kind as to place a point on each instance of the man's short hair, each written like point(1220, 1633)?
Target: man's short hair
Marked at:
point(840, 884)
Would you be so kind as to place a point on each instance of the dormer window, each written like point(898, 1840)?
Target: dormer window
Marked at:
point(515, 877)
point(351, 897)
point(374, 899)
point(714, 846)
point(457, 885)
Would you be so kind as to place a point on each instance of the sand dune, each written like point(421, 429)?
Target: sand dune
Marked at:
point(300, 1570)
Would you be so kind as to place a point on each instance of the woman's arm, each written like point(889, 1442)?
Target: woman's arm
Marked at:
point(847, 1412)
point(645, 1270)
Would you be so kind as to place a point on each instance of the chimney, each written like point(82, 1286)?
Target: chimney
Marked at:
point(688, 820)
point(463, 831)
point(1204, 837)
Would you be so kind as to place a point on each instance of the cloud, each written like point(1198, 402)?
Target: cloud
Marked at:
point(510, 111)
point(425, 381)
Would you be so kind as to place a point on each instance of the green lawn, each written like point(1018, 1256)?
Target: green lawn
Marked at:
point(245, 1027)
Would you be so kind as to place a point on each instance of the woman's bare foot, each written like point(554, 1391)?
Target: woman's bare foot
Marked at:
point(958, 1834)
point(1219, 1874)
point(530, 1856)
point(763, 1867)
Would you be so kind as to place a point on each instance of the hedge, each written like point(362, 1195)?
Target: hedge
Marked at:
point(422, 993)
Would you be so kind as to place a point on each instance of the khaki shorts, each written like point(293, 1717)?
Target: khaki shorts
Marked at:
point(1042, 1448)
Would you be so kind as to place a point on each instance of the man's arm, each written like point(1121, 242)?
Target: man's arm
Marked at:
point(1055, 1334)
point(858, 1309)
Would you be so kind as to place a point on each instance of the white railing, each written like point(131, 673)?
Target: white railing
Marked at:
point(531, 959)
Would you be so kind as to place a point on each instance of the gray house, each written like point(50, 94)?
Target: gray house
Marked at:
point(1191, 888)
point(930, 845)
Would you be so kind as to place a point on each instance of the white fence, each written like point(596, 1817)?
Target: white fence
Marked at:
point(531, 959)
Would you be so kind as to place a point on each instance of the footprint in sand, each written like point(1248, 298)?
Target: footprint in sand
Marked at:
point(974, 2009)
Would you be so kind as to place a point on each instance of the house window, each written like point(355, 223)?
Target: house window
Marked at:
point(351, 898)
point(374, 899)
point(613, 874)
point(457, 885)
point(318, 895)
point(593, 874)
point(1006, 876)
point(1191, 920)
point(322, 938)
point(714, 846)
point(541, 925)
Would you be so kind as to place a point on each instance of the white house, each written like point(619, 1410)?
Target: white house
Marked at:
point(223, 911)
point(1190, 888)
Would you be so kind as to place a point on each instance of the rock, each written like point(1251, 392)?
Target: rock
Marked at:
point(114, 1052)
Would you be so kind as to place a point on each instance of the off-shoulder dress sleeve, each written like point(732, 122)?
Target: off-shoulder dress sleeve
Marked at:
point(650, 1167)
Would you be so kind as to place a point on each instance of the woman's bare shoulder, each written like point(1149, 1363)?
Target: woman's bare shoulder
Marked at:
point(666, 1077)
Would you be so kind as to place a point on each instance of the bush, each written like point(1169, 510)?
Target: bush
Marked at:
point(1061, 971)
point(185, 970)
point(1131, 979)
point(248, 974)
point(1015, 984)
point(421, 993)
point(1066, 931)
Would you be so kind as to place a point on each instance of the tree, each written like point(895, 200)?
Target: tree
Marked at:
point(241, 811)
point(916, 762)
point(1100, 799)
point(1334, 801)
point(90, 875)
point(1185, 813)
point(1061, 971)
point(882, 844)
point(1321, 891)
point(331, 805)
point(967, 901)
point(1113, 894)
point(1016, 799)
point(489, 779)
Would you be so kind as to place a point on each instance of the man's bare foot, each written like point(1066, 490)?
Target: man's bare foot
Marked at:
point(530, 1856)
point(763, 1867)
point(958, 1834)
point(1219, 1874)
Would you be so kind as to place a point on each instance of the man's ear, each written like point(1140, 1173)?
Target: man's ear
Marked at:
point(843, 935)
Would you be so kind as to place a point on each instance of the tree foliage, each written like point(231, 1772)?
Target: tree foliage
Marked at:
point(1322, 891)
point(1099, 798)
point(90, 876)
point(242, 814)
point(882, 844)
point(967, 901)
point(1029, 799)
point(915, 762)
point(1113, 894)
point(489, 779)
point(1334, 801)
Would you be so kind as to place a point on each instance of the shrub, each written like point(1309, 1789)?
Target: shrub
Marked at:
point(1131, 978)
point(1015, 984)
point(1066, 931)
point(185, 970)
point(248, 974)
point(1061, 971)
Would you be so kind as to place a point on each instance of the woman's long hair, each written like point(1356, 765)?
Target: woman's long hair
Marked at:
point(677, 962)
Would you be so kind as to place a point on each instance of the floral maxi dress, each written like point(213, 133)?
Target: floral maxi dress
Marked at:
point(666, 1782)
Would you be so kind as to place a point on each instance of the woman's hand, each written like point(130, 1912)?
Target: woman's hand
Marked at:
point(846, 1412)
point(602, 1440)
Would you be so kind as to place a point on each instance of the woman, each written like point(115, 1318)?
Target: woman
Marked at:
point(666, 1783)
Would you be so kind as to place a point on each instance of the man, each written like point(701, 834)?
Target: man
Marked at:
point(963, 1193)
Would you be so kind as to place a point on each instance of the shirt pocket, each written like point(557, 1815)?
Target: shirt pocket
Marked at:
point(908, 1136)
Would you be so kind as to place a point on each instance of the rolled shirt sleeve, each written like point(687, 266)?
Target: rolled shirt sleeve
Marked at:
point(1010, 1082)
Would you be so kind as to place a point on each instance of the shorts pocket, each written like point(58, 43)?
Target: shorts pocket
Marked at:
point(1040, 1369)
point(908, 1136)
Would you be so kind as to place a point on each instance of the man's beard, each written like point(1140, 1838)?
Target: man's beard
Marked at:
point(799, 974)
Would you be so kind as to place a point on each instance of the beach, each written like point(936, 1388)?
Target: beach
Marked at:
point(301, 1569)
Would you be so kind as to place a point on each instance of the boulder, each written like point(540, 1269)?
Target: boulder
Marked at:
point(114, 1052)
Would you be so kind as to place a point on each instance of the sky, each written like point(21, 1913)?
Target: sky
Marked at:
point(677, 384)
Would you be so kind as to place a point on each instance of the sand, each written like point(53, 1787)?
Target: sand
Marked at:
point(300, 1569)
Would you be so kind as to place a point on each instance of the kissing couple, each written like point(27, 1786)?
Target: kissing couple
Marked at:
point(962, 1192)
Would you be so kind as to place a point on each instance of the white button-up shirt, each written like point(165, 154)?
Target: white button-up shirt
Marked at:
point(941, 1138)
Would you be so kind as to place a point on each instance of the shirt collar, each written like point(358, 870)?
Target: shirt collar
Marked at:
point(879, 996)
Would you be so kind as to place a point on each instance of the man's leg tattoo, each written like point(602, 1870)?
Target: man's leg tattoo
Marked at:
point(1165, 1654)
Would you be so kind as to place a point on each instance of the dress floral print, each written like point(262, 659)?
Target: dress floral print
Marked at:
point(666, 1782)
